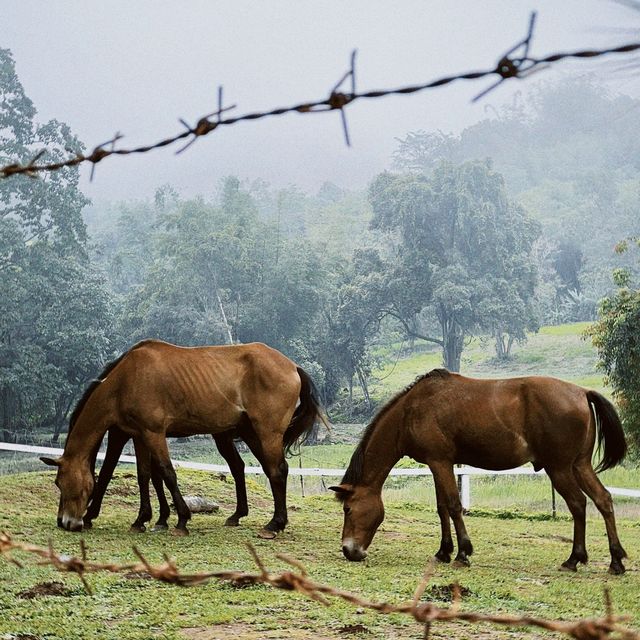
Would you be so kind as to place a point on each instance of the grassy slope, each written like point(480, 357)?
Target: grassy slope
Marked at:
point(558, 351)
point(514, 570)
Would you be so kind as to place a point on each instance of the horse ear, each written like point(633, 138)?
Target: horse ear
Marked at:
point(52, 462)
point(342, 489)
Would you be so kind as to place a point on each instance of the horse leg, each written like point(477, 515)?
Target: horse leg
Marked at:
point(115, 444)
point(157, 445)
point(143, 468)
point(591, 485)
point(567, 486)
point(270, 454)
point(446, 543)
point(227, 449)
point(165, 511)
point(449, 504)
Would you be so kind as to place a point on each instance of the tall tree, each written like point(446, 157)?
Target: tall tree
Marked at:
point(54, 311)
point(615, 335)
point(464, 248)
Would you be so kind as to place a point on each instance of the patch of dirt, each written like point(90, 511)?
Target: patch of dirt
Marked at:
point(396, 535)
point(552, 536)
point(123, 490)
point(44, 589)
point(20, 636)
point(248, 632)
point(445, 591)
point(353, 628)
point(137, 575)
point(443, 630)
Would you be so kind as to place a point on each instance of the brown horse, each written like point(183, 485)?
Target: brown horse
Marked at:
point(445, 418)
point(147, 471)
point(157, 389)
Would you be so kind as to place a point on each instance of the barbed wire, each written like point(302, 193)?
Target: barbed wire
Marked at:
point(298, 580)
point(515, 63)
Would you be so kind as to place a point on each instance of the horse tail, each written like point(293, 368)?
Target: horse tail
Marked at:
point(610, 432)
point(308, 412)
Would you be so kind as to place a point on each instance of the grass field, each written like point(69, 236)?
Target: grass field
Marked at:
point(514, 570)
point(559, 351)
point(519, 547)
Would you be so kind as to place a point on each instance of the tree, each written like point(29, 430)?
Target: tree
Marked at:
point(616, 336)
point(465, 252)
point(55, 322)
point(219, 273)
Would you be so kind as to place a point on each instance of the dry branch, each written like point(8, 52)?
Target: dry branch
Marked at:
point(515, 63)
point(425, 613)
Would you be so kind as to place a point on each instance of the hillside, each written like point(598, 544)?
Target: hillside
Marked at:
point(559, 351)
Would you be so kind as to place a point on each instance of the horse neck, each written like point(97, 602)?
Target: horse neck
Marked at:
point(87, 432)
point(382, 451)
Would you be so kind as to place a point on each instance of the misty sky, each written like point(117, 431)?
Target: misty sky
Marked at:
point(137, 66)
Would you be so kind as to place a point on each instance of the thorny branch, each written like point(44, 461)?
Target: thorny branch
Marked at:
point(425, 613)
point(515, 63)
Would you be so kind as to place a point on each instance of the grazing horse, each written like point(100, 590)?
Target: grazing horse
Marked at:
point(444, 418)
point(147, 472)
point(157, 389)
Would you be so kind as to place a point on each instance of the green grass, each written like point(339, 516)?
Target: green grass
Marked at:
point(559, 351)
point(514, 569)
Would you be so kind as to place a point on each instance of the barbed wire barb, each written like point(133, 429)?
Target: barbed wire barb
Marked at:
point(509, 66)
point(204, 126)
point(514, 67)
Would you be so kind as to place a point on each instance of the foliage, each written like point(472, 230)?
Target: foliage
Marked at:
point(464, 250)
point(566, 155)
point(616, 335)
point(55, 314)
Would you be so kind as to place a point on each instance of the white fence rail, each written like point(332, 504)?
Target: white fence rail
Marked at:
point(464, 472)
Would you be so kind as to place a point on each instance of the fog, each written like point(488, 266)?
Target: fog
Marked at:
point(136, 68)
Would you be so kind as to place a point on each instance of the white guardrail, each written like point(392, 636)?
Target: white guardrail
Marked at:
point(465, 473)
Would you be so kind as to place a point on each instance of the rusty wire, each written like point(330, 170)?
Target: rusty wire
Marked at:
point(426, 613)
point(515, 63)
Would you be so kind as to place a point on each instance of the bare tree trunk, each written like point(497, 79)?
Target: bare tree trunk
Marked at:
point(509, 345)
point(365, 389)
point(8, 414)
point(453, 343)
point(500, 346)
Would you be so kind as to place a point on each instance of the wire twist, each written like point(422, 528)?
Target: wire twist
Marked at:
point(516, 63)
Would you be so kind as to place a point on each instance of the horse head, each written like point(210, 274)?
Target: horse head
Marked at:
point(363, 514)
point(75, 481)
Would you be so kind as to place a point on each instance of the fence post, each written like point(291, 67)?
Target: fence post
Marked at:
point(465, 491)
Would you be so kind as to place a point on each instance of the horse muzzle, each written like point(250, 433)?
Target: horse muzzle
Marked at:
point(353, 551)
point(70, 524)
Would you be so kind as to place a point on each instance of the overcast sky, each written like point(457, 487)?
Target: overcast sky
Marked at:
point(136, 66)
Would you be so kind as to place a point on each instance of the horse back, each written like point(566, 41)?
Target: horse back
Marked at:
point(200, 389)
point(503, 423)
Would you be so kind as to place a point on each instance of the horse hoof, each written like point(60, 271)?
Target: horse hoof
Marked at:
point(569, 566)
point(232, 522)
point(267, 534)
point(461, 562)
point(617, 569)
point(180, 533)
point(137, 528)
point(443, 557)
point(88, 524)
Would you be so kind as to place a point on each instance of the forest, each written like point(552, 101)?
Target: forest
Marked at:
point(527, 218)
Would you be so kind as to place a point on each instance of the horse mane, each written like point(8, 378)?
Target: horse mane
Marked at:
point(109, 367)
point(353, 474)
